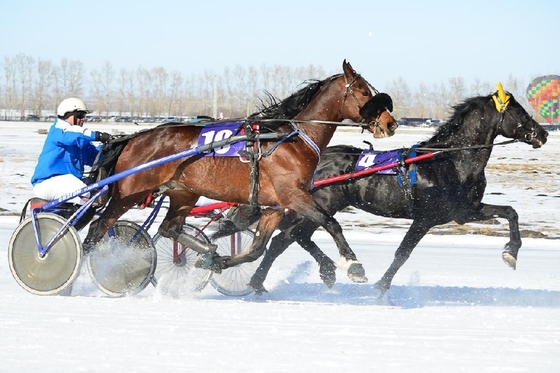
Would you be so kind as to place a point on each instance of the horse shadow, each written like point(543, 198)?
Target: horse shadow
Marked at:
point(410, 296)
point(402, 296)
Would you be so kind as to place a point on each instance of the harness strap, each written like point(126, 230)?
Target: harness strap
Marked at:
point(269, 151)
point(308, 140)
point(402, 170)
point(252, 153)
point(296, 131)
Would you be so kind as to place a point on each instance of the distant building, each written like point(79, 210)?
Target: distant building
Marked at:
point(415, 122)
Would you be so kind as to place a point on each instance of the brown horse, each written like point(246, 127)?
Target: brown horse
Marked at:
point(285, 170)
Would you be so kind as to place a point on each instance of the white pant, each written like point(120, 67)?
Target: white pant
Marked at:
point(203, 201)
point(58, 186)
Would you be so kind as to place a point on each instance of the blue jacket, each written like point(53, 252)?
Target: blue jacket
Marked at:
point(67, 150)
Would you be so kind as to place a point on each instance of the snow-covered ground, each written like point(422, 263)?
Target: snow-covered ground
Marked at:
point(455, 305)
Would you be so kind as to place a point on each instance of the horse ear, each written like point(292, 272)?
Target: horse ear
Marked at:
point(348, 69)
point(501, 98)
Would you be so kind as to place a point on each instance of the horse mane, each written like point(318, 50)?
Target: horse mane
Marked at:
point(457, 118)
point(273, 108)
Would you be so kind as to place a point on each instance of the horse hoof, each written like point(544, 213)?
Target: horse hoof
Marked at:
point(509, 259)
point(357, 273)
point(329, 280)
point(88, 248)
point(380, 288)
point(205, 261)
point(258, 288)
point(359, 279)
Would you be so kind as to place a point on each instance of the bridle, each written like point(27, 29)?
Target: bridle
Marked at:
point(373, 124)
point(349, 89)
point(502, 101)
point(363, 123)
point(522, 131)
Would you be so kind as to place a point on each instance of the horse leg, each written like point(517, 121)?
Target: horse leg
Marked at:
point(307, 207)
point(302, 232)
point(327, 268)
point(278, 245)
point(415, 233)
point(267, 224)
point(509, 255)
point(97, 229)
point(180, 204)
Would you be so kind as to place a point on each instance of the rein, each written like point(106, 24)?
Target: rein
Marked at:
point(465, 148)
point(341, 124)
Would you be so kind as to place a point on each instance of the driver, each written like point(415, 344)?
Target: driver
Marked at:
point(67, 149)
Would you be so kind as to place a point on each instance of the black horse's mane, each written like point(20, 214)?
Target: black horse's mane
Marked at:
point(273, 108)
point(457, 118)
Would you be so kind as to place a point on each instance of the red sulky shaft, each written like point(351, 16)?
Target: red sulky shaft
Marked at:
point(354, 175)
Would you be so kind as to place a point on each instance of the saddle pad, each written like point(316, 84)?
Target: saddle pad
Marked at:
point(219, 131)
point(372, 158)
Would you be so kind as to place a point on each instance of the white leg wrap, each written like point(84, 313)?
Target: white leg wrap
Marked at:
point(343, 263)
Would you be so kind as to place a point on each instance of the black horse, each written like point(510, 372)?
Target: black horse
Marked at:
point(449, 186)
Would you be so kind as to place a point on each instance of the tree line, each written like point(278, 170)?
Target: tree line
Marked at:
point(35, 86)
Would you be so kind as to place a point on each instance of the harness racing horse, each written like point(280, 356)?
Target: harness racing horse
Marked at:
point(449, 187)
point(284, 172)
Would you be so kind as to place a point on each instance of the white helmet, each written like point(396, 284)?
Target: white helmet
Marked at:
point(70, 105)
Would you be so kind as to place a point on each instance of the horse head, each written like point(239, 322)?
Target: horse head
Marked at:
point(377, 118)
point(356, 93)
point(515, 122)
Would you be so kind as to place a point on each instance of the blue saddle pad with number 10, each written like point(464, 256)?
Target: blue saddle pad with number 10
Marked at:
point(219, 131)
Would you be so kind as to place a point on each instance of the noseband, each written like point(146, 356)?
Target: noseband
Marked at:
point(376, 123)
point(521, 132)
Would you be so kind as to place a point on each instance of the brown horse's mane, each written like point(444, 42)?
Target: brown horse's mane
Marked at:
point(273, 108)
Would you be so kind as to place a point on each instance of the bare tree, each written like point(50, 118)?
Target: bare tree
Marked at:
point(42, 86)
point(143, 80)
point(71, 78)
point(402, 98)
point(175, 83)
point(440, 97)
point(10, 92)
point(107, 76)
point(242, 98)
point(160, 80)
point(129, 87)
point(23, 69)
point(457, 90)
point(420, 101)
point(227, 81)
point(33, 86)
point(96, 88)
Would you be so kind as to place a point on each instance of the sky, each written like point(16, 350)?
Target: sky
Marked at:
point(422, 42)
point(453, 307)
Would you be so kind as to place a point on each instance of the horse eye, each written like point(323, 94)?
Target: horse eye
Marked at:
point(365, 93)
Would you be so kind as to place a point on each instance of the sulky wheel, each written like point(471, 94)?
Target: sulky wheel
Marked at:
point(175, 272)
point(58, 268)
point(234, 281)
point(124, 261)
